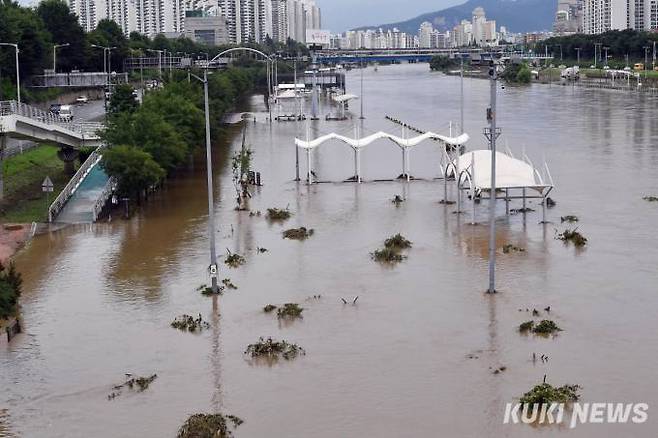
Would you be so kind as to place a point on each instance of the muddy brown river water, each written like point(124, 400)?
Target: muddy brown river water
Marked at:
point(414, 357)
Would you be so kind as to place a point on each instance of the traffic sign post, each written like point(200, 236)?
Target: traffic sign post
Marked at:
point(47, 186)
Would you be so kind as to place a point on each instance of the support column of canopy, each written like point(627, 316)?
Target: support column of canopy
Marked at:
point(309, 166)
point(473, 187)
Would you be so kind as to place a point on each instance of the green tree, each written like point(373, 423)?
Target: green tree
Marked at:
point(523, 76)
point(64, 29)
point(24, 27)
point(123, 100)
point(107, 34)
point(135, 169)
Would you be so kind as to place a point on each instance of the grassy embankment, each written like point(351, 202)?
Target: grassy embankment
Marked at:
point(23, 174)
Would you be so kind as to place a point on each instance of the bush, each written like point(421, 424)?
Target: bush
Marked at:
point(10, 290)
point(547, 394)
point(209, 426)
point(397, 241)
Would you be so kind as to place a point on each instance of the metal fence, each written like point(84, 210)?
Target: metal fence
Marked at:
point(92, 79)
point(88, 130)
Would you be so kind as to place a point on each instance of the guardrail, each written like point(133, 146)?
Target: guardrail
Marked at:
point(109, 188)
point(70, 188)
point(12, 107)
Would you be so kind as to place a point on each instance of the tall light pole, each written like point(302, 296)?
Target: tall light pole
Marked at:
point(492, 134)
point(211, 202)
point(107, 66)
point(18, 71)
point(646, 60)
point(55, 47)
point(578, 55)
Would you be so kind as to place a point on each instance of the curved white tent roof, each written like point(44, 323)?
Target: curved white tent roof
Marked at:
point(345, 97)
point(510, 172)
point(358, 143)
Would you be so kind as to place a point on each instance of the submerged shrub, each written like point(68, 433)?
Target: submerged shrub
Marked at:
point(387, 255)
point(290, 311)
point(301, 233)
point(269, 308)
point(209, 426)
point(546, 327)
point(508, 248)
point(188, 323)
point(547, 394)
point(278, 214)
point(234, 260)
point(271, 349)
point(397, 241)
point(572, 236)
point(526, 326)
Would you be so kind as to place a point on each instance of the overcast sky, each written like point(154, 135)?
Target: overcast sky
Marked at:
point(341, 15)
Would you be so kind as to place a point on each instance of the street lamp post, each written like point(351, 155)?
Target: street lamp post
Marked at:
point(211, 207)
point(18, 71)
point(578, 55)
point(159, 52)
point(55, 47)
point(646, 60)
point(492, 135)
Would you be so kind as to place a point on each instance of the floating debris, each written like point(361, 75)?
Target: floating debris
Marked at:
point(499, 370)
point(229, 285)
point(139, 384)
point(188, 323)
point(277, 214)
point(301, 233)
point(651, 198)
point(535, 312)
point(271, 349)
point(446, 202)
point(547, 394)
point(572, 236)
point(397, 200)
point(269, 308)
point(234, 260)
point(314, 297)
point(254, 213)
point(209, 426)
point(508, 248)
point(521, 210)
point(397, 242)
point(387, 255)
point(569, 218)
point(550, 202)
point(261, 250)
point(353, 301)
point(290, 311)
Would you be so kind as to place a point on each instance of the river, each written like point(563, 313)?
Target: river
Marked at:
point(415, 356)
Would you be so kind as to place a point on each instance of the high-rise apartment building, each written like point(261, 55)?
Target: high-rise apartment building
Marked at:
point(603, 15)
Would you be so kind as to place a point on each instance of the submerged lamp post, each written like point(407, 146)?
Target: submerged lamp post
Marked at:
point(492, 134)
point(211, 207)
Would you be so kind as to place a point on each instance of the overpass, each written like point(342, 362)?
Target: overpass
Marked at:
point(86, 193)
point(421, 55)
point(25, 122)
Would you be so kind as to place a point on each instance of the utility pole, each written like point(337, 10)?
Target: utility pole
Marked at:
point(646, 60)
point(492, 133)
point(578, 55)
point(461, 94)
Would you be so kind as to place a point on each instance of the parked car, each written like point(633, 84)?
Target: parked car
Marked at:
point(66, 113)
point(82, 99)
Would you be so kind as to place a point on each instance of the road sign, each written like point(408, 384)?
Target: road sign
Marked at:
point(47, 185)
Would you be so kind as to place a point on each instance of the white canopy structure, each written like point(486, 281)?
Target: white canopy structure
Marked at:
point(344, 97)
point(358, 143)
point(474, 170)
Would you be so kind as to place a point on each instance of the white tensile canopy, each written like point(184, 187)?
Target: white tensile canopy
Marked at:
point(511, 173)
point(345, 97)
point(358, 143)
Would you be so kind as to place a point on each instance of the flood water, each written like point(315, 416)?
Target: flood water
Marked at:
point(415, 356)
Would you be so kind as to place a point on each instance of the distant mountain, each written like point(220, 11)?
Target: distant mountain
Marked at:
point(516, 15)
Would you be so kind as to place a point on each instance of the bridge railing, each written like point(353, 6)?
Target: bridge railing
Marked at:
point(12, 107)
point(109, 188)
point(69, 189)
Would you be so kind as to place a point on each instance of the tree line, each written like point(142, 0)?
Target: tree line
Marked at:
point(619, 43)
point(37, 30)
point(150, 141)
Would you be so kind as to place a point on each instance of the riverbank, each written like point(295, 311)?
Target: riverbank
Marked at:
point(24, 201)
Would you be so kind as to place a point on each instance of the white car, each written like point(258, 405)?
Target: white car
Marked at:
point(82, 99)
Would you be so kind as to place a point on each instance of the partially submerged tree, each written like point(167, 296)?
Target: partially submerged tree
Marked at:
point(135, 169)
